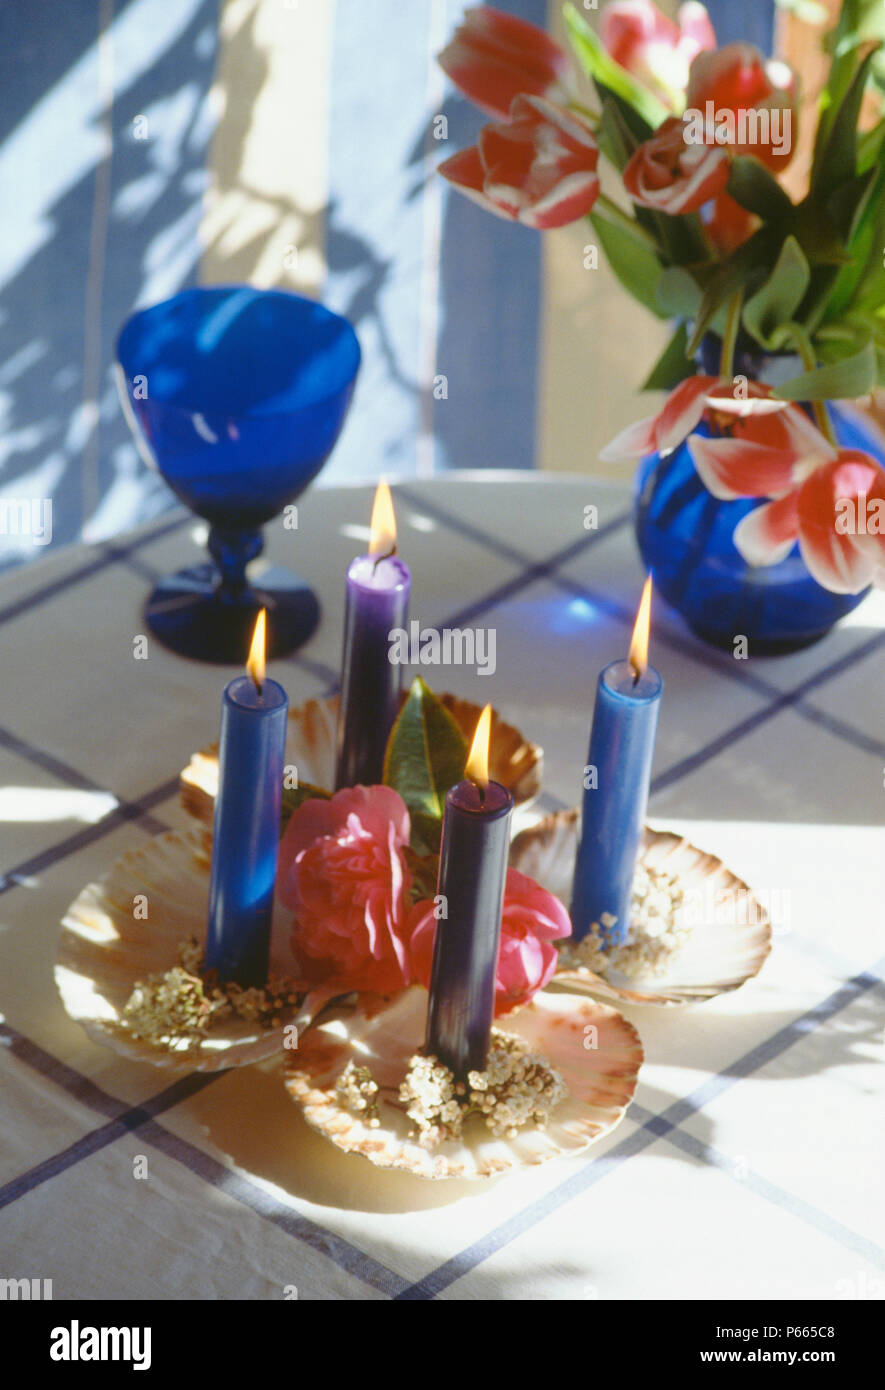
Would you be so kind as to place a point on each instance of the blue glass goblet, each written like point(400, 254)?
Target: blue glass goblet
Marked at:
point(239, 396)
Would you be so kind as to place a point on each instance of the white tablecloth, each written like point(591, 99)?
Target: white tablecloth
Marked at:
point(749, 1165)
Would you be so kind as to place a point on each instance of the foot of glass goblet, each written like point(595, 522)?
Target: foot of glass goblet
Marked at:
point(208, 612)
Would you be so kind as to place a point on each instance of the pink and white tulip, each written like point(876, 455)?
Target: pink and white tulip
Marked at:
point(844, 559)
point(493, 57)
point(654, 49)
point(670, 175)
point(539, 168)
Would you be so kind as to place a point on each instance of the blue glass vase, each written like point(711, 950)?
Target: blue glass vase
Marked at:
point(685, 538)
point(237, 396)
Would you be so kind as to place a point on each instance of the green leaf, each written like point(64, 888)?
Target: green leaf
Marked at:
point(426, 753)
point(293, 797)
point(678, 293)
point(865, 248)
point(837, 161)
point(742, 270)
point(597, 63)
point(869, 146)
point(633, 262)
point(424, 869)
point(757, 190)
point(842, 44)
point(616, 139)
point(672, 366)
point(845, 380)
point(777, 300)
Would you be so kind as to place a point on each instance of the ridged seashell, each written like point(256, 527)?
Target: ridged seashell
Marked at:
point(724, 950)
point(104, 949)
point(383, 1035)
point(310, 746)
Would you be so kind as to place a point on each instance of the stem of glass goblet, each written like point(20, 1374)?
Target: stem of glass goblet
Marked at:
point(232, 551)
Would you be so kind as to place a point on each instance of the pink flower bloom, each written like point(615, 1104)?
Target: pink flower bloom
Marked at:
point(669, 175)
point(664, 432)
point(730, 224)
point(752, 433)
point(654, 49)
point(539, 169)
point(830, 514)
point(738, 80)
point(493, 57)
point(532, 920)
point(344, 876)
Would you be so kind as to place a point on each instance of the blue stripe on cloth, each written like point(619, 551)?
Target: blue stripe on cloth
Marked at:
point(138, 810)
point(125, 1119)
point(656, 1127)
point(686, 646)
point(779, 1196)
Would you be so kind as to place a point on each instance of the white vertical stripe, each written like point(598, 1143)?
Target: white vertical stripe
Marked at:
point(428, 326)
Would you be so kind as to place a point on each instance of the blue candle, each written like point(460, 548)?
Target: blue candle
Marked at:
point(472, 872)
point(246, 835)
point(378, 587)
point(622, 741)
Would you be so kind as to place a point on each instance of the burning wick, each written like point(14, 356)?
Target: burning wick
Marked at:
point(477, 767)
point(255, 660)
point(638, 654)
point(382, 528)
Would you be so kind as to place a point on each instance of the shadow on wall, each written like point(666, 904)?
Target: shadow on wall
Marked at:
point(104, 215)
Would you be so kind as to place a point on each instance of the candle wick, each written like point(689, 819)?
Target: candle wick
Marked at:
point(482, 793)
point(388, 555)
point(637, 675)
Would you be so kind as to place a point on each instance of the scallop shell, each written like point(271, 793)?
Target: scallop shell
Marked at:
point(104, 949)
point(721, 953)
point(384, 1034)
point(311, 747)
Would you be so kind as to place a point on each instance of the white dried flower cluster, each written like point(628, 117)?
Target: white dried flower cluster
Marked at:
point(177, 1007)
point(656, 934)
point(358, 1092)
point(434, 1100)
point(516, 1088)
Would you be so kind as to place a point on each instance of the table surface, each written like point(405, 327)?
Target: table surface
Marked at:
point(749, 1165)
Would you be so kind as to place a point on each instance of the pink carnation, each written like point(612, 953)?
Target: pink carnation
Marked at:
point(343, 874)
point(532, 920)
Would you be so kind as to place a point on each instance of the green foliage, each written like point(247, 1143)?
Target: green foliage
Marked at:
point(632, 259)
point(595, 61)
point(293, 797)
point(852, 376)
point(776, 301)
point(425, 755)
point(814, 268)
point(673, 365)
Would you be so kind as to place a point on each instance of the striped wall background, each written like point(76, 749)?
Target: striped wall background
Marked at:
point(146, 145)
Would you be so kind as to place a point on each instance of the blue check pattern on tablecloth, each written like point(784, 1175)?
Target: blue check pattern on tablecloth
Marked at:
point(512, 554)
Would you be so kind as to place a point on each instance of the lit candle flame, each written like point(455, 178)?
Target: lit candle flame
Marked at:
point(382, 531)
point(477, 768)
point(638, 655)
point(255, 662)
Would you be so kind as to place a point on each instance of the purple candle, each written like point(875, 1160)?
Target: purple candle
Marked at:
point(622, 743)
point(472, 870)
point(378, 587)
point(246, 834)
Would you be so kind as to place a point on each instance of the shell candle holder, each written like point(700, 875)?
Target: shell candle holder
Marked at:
point(105, 948)
point(365, 1049)
point(311, 747)
point(722, 934)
